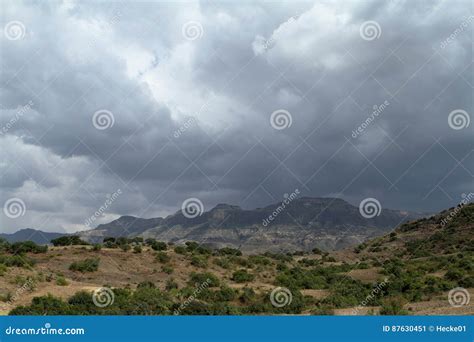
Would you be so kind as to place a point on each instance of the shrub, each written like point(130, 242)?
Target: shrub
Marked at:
point(87, 265)
point(27, 247)
point(68, 241)
point(163, 257)
point(201, 278)
point(199, 261)
point(180, 250)
point(393, 306)
point(242, 276)
point(61, 281)
point(229, 251)
point(97, 247)
point(167, 269)
point(137, 249)
point(171, 284)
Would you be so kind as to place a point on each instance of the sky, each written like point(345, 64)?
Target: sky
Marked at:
point(131, 108)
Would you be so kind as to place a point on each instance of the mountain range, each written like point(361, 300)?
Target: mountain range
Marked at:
point(304, 223)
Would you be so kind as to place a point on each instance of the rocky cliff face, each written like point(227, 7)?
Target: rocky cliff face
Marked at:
point(305, 223)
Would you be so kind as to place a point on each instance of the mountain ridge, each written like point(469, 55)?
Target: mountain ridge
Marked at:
point(303, 223)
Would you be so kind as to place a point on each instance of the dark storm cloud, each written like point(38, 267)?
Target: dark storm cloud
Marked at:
point(191, 118)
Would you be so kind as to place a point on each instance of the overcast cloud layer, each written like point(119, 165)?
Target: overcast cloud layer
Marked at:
point(192, 87)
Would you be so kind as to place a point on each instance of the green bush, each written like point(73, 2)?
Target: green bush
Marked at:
point(137, 249)
point(242, 276)
point(163, 257)
point(61, 281)
point(201, 278)
point(87, 265)
point(68, 241)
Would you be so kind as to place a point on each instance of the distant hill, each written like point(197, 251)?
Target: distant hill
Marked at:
point(445, 233)
point(29, 234)
point(305, 223)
